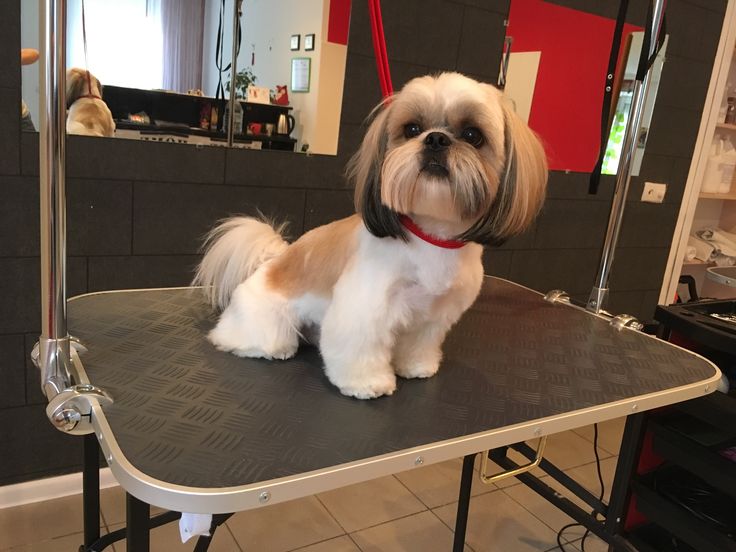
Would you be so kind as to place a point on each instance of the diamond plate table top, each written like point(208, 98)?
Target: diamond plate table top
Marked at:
point(187, 414)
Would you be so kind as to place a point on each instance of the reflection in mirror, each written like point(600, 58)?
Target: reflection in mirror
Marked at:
point(625, 85)
point(165, 70)
point(555, 78)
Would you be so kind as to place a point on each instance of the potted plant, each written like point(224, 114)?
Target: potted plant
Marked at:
point(243, 79)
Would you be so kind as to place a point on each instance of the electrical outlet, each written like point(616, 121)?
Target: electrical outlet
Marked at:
point(653, 192)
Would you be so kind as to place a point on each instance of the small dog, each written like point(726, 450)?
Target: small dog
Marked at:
point(445, 166)
point(87, 113)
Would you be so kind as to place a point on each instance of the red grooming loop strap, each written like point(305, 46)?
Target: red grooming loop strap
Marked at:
point(379, 47)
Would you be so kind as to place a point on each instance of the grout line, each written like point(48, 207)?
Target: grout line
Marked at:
point(329, 512)
point(412, 493)
point(226, 526)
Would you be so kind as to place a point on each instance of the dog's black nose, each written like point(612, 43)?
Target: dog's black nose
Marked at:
point(437, 141)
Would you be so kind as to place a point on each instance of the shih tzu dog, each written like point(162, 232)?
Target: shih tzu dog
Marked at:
point(445, 166)
point(87, 113)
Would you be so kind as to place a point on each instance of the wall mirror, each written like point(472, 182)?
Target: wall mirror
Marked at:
point(555, 76)
point(163, 66)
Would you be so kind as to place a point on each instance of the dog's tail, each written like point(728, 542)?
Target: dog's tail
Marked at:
point(233, 250)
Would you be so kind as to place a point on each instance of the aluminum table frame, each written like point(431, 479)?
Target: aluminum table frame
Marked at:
point(516, 368)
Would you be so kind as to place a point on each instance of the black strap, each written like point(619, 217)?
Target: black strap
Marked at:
point(595, 176)
point(220, 91)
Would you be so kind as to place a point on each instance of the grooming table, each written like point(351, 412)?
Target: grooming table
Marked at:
point(194, 429)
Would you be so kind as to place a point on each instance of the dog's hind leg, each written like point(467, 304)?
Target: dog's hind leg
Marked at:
point(259, 322)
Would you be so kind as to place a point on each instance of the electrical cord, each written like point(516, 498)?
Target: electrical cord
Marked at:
point(600, 496)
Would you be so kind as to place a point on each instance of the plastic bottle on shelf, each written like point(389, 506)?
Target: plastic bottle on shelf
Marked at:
point(712, 176)
point(728, 164)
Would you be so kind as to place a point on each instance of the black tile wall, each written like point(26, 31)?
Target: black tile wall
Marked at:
point(9, 130)
point(11, 359)
point(37, 448)
point(172, 218)
point(136, 272)
point(137, 210)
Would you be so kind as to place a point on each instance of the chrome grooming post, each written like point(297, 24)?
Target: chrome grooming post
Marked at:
point(70, 402)
point(599, 294)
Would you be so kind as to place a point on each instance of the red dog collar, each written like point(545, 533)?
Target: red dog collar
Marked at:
point(412, 227)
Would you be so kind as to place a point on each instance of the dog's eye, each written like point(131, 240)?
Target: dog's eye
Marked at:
point(412, 129)
point(472, 136)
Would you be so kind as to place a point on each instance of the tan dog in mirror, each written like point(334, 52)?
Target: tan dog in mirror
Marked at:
point(87, 113)
point(445, 167)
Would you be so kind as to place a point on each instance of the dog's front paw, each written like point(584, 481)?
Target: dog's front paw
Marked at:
point(417, 367)
point(370, 387)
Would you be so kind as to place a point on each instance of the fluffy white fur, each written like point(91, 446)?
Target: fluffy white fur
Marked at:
point(87, 114)
point(381, 298)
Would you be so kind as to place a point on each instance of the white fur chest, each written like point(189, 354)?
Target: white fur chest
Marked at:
point(419, 272)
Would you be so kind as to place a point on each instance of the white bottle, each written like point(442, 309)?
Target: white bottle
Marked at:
point(728, 164)
point(712, 176)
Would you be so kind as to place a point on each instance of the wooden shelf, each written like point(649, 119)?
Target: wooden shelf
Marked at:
point(729, 196)
point(697, 262)
point(726, 126)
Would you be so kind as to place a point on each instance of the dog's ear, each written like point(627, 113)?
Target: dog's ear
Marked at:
point(521, 188)
point(74, 86)
point(98, 84)
point(364, 171)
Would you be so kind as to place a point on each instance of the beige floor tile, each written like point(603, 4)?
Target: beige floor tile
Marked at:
point(69, 543)
point(166, 538)
point(340, 544)
point(498, 524)
point(112, 504)
point(284, 526)
point(609, 434)
point(546, 512)
point(421, 532)
point(371, 503)
point(41, 521)
point(439, 484)
point(592, 544)
point(568, 450)
point(552, 516)
point(588, 477)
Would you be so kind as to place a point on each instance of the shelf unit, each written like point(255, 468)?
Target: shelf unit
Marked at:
point(700, 210)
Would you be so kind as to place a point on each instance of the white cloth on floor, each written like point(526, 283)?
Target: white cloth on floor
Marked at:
point(193, 525)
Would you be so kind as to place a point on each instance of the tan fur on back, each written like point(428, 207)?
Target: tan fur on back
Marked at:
point(315, 261)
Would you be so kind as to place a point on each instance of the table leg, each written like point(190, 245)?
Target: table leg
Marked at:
point(138, 515)
point(628, 460)
point(463, 503)
point(91, 489)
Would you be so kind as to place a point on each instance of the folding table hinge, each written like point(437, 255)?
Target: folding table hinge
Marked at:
point(557, 296)
point(489, 479)
point(622, 321)
point(71, 410)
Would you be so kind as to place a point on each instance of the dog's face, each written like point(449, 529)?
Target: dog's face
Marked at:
point(449, 149)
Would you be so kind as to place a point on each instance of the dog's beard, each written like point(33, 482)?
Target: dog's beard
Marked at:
point(456, 186)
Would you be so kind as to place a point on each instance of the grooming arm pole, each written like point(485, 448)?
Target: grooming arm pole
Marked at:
point(52, 354)
point(599, 294)
point(70, 405)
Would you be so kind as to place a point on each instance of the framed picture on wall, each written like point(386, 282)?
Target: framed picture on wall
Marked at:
point(309, 42)
point(295, 42)
point(300, 72)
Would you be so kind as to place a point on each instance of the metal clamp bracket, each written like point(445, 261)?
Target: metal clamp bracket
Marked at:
point(71, 410)
point(622, 321)
point(557, 296)
point(489, 479)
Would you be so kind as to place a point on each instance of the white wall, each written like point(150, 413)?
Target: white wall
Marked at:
point(267, 29)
